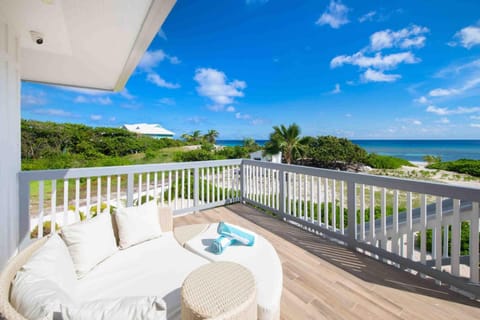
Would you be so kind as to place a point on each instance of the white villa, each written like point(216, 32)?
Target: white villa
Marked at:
point(152, 130)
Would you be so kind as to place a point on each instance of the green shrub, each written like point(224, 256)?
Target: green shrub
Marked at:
point(47, 227)
point(386, 162)
point(467, 166)
point(103, 207)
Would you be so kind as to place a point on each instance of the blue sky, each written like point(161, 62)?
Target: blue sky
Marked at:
point(356, 69)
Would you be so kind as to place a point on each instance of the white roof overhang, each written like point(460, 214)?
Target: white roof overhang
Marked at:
point(87, 43)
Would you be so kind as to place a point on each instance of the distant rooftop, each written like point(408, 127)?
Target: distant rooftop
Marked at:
point(151, 129)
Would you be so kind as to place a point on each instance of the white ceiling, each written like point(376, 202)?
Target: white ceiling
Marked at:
point(87, 43)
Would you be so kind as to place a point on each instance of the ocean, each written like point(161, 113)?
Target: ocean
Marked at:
point(411, 150)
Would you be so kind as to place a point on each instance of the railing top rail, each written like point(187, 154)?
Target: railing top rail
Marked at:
point(424, 187)
point(119, 170)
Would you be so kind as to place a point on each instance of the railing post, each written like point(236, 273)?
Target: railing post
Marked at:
point(352, 212)
point(130, 178)
point(242, 182)
point(196, 189)
point(281, 192)
point(24, 213)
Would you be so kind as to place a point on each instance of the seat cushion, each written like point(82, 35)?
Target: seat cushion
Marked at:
point(144, 308)
point(90, 242)
point(261, 259)
point(153, 268)
point(137, 224)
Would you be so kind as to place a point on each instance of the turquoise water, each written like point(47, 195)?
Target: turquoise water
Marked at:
point(412, 150)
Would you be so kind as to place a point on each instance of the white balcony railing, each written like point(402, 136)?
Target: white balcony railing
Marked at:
point(428, 228)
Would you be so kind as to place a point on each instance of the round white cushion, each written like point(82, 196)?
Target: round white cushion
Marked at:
point(261, 259)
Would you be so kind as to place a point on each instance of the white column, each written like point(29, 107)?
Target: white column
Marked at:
point(9, 141)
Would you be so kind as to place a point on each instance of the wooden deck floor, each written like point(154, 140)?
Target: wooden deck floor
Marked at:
point(323, 280)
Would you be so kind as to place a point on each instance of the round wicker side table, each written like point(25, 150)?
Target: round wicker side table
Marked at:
point(219, 290)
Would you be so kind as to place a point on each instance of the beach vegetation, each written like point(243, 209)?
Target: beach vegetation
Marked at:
point(466, 166)
point(286, 140)
point(432, 159)
point(386, 162)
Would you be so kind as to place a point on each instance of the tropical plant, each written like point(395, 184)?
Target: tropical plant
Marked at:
point(432, 159)
point(286, 140)
point(211, 136)
point(250, 144)
point(194, 137)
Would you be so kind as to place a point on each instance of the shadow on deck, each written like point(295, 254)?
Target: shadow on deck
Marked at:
point(324, 280)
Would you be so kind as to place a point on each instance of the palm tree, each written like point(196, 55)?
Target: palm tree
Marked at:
point(196, 136)
point(287, 140)
point(211, 136)
point(250, 144)
point(187, 137)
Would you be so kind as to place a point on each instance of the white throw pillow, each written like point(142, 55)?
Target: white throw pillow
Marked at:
point(132, 308)
point(35, 297)
point(137, 224)
point(53, 262)
point(90, 242)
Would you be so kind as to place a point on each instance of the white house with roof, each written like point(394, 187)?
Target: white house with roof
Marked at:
point(149, 129)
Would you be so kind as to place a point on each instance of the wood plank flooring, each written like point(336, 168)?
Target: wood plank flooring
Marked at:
point(323, 280)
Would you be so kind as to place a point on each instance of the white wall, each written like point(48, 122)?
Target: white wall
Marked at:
point(9, 141)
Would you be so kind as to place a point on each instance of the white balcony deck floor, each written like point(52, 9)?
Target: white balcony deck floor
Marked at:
point(323, 280)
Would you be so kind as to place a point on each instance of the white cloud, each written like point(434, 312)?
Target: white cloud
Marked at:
point(467, 85)
point(54, 112)
point(378, 61)
point(257, 122)
point(475, 125)
point(167, 101)
point(367, 17)
point(348, 115)
point(214, 85)
point(96, 117)
point(468, 37)
point(422, 100)
point(230, 109)
point(443, 121)
point(415, 122)
point(95, 100)
point(337, 89)
point(195, 120)
point(126, 94)
point(112, 119)
point(335, 15)
point(242, 116)
point(404, 38)
point(475, 117)
point(88, 92)
point(161, 34)
point(378, 76)
point(160, 82)
point(151, 59)
point(441, 111)
point(31, 99)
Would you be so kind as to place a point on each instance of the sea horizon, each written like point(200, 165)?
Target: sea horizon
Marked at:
point(408, 149)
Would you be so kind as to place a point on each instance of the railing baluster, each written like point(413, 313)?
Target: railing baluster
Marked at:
point(334, 206)
point(362, 212)
point(183, 189)
point(53, 206)
point(170, 188)
point(325, 207)
point(223, 182)
point(438, 233)
point(140, 182)
point(176, 190)
point(456, 238)
point(395, 235)
point(99, 195)
point(372, 215)
point(305, 199)
point(312, 200)
point(208, 185)
point(119, 188)
point(147, 189)
point(383, 209)
point(342, 207)
point(423, 228)
point(155, 187)
point(77, 199)
point(65, 202)
point(89, 194)
point(189, 181)
point(41, 211)
point(410, 243)
point(474, 243)
point(109, 187)
point(294, 194)
point(162, 198)
point(319, 201)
